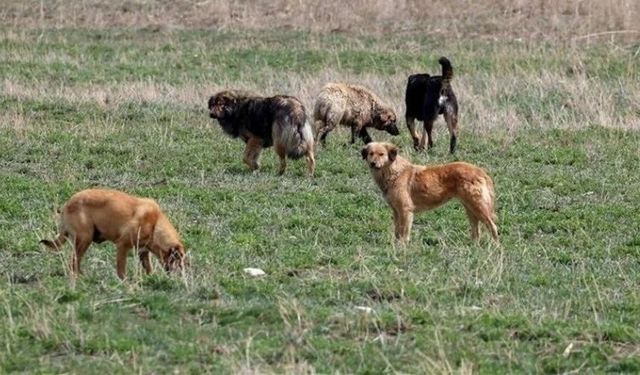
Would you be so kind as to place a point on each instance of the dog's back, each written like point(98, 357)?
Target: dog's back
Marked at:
point(105, 215)
point(348, 99)
point(354, 106)
point(109, 213)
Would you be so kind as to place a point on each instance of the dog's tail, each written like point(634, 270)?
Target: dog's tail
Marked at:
point(57, 243)
point(447, 69)
point(297, 136)
point(62, 236)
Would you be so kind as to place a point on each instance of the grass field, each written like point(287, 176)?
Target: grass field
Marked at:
point(555, 125)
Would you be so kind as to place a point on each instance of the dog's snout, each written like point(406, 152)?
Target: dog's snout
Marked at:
point(393, 130)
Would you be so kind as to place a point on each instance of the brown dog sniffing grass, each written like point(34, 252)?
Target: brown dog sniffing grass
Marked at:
point(410, 188)
point(98, 215)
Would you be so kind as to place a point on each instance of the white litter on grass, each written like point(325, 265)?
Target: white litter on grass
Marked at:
point(475, 308)
point(254, 271)
point(567, 350)
point(364, 308)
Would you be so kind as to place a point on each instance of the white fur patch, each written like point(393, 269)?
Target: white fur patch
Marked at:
point(307, 132)
point(442, 100)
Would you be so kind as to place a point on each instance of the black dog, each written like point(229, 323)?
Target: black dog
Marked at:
point(261, 122)
point(426, 98)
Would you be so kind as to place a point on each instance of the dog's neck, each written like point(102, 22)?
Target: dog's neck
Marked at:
point(386, 176)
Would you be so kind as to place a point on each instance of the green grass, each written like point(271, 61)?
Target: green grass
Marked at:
point(567, 271)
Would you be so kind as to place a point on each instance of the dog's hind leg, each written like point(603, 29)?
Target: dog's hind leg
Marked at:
point(481, 209)
point(330, 119)
point(491, 226)
point(252, 153)
point(473, 221)
point(323, 130)
point(311, 160)
point(81, 244)
point(451, 119)
point(485, 214)
point(426, 134)
point(322, 136)
point(282, 154)
point(411, 125)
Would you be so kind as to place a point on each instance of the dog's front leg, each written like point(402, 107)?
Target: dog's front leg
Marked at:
point(361, 130)
point(411, 124)
point(252, 153)
point(121, 260)
point(406, 218)
point(353, 134)
point(396, 224)
point(145, 260)
point(404, 221)
point(364, 135)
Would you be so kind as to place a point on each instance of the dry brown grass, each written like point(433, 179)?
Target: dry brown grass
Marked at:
point(563, 20)
point(584, 101)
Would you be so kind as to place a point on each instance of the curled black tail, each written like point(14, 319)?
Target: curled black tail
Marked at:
point(447, 69)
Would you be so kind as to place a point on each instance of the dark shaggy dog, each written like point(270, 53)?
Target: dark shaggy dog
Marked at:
point(426, 98)
point(261, 122)
point(354, 106)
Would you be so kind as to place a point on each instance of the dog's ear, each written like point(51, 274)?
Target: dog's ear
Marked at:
point(231, 98)
point(393, 152)
point(364, 151)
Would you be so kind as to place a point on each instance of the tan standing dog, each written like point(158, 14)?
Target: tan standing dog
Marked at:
point(354, 106)
point(410, 188)
point(97, 215)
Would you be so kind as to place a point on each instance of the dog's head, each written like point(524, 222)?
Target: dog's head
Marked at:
point(385, 119)
point(174, 257)
point(222, 104)
point(379, 154)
